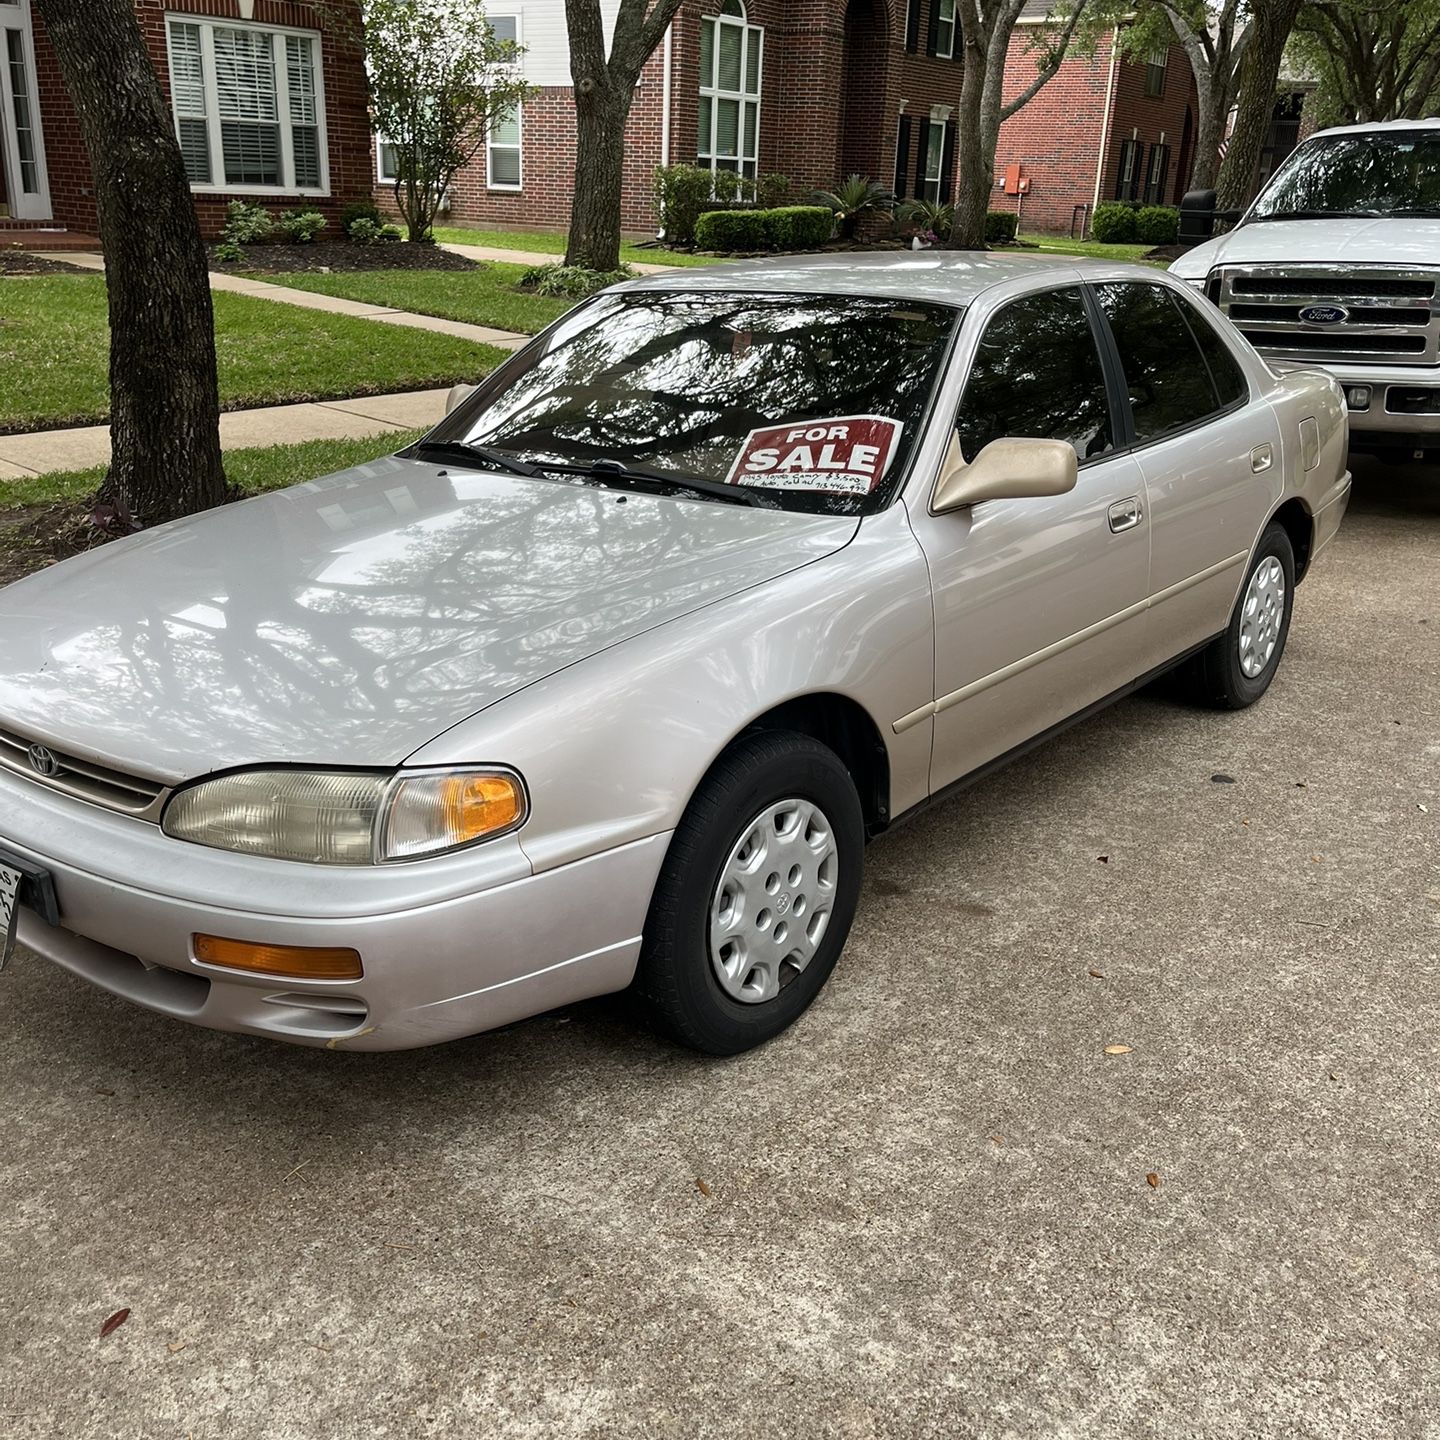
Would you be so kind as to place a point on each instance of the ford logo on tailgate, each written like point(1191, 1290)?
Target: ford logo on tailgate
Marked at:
point(1324, 314)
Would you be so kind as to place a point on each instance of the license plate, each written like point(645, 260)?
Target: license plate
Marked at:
point(9, 911)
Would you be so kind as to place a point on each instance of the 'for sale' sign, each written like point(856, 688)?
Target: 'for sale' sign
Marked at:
point(847, 455)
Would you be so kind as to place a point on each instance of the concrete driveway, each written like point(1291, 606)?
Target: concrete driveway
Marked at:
point(924, 1211)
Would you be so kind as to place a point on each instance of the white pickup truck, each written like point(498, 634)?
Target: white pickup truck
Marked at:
point(1337, 264)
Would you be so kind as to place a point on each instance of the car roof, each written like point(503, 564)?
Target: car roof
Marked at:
point(948, 277)
point(1378, 127)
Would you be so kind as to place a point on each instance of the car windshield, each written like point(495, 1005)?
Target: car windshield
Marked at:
point(1394, 172)
point(810, 402)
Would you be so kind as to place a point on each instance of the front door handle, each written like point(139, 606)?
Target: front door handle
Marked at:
point(1126, 514)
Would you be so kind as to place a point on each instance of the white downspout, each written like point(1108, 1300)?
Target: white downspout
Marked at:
point(665, 97)
point(1105, 123)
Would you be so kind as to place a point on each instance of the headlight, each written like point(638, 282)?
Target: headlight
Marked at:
point(1198, 283)
point(347, 817)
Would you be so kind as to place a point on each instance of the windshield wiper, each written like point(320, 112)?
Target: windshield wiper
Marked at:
point(484, 454)
point(1424, 211)
point(655, 482)
point(1317, 215)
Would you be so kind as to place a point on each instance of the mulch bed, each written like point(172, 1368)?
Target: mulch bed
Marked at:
point(336, 255)
point(33, 537)
point(19, 262)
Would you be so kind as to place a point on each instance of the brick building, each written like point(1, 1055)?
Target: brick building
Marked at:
point(269, 104)
point(819, 89)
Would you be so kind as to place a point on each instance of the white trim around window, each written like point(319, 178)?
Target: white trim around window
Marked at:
point(504, 152)
point(249, 106)
point(945, 30)
point(732, 66)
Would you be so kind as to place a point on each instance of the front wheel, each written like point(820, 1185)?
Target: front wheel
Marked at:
point(757, 895)
point(1236, 668)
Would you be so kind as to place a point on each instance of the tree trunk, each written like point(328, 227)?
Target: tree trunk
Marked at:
point(600, 115)
point(164, 405)
point(975, 159)
point(1259, 71)
point(1212, 106)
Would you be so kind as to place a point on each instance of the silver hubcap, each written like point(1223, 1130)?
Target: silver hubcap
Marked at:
point(774, 899)
point(1260, 617)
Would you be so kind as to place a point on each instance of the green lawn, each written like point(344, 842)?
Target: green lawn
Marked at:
point(480, 297)
point(270, 468)
point(1089, 249)
point(540, 243)
point(54, 354)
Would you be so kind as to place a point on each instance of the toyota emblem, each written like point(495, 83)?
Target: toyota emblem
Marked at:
point(43, 761)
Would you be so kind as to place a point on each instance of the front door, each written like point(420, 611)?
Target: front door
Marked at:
point(1039, 603)
point(22, 147)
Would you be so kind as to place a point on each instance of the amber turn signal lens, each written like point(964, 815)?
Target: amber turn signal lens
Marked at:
point(295, 962)
point(432, 812)
point(476, 805)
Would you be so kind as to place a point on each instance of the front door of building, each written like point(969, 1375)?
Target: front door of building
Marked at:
point(26, 190)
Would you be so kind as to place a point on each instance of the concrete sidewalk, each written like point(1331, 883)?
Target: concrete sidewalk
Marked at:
point(529, 257)
point(22, 457)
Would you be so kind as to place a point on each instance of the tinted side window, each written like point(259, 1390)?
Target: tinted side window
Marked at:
point(1037, 375)
point(1225, 371)
point(1165, 373)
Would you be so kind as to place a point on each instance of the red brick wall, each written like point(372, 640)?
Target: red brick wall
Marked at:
point(347, 125)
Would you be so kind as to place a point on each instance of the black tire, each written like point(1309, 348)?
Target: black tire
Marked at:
point(1215, 677)
point(676, 982)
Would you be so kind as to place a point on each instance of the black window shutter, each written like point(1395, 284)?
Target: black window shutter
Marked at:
point(912, 27)
point(921, 151)
point(902, 159)
point(932, 41)
point(947, 162)
point(1126, 146)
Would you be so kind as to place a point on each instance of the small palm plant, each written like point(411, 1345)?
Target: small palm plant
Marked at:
point(932, 217)
point(853, 197)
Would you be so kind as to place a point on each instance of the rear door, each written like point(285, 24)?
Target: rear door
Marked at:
point(1039, 603)
point(1208, 448)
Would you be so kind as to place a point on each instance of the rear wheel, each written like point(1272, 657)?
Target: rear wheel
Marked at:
point(1236, 668)
point(757, 895)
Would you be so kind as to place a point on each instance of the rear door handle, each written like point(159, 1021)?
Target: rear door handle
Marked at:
point(1262, 457)
point(1126, 514)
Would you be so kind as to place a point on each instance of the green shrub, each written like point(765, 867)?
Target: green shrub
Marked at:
point(852, 199)
point(1114, 223)
point(246, 224)
point(773, 191)
point(299, 227)
point(732, 230)
point(1157, 225)
point(934, 217)
point(363, 231)
point(795, 227)
point(1000, 227)
point(571, 282)
point(360, 210)
point(682, 194)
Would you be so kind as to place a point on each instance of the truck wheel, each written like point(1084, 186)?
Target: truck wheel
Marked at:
point(757, 895)
point(1236, 668)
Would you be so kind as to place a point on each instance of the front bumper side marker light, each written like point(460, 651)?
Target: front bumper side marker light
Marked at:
point(294, 962)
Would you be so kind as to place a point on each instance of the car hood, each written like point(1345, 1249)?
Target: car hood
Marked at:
point(350, 620)
point(1413, 241)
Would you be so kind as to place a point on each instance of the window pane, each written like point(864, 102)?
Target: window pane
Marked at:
point(1164, 371)
point(729, 58)
point(506, 129)
point(187, 75)
point(389, 163)
point(727, 127)
point(305, 141)
point(504, 165)
point(1037, 375)
point(24, 125)
point(252, 153)
point(753, 45)
point(704, 130)
point(195, 149)
point(300, 71)
point(707, 53)
point(506, 27)
point(1225, 370)
point(245, 75)
point(752, 122)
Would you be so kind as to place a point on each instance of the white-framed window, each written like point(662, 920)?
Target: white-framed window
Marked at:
point(934, 159)
point(1155, 64)
point(732, 61)
point(505, 27)
point(249, 104)
point(502, 152)
point(945, 30)
point(387, 169)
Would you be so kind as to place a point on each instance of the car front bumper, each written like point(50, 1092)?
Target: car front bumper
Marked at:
point(1399, 406)
point(449, 948)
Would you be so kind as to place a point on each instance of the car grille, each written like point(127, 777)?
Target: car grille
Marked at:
point(1391, 314)
point(83, 779)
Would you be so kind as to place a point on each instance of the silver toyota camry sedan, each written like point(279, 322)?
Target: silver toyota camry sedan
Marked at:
point(608, 681)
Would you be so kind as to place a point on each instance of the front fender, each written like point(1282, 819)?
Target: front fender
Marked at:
point(613, 747)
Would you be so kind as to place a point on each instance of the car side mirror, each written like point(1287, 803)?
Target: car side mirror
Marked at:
point(1006, 470)
point(458, 395)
